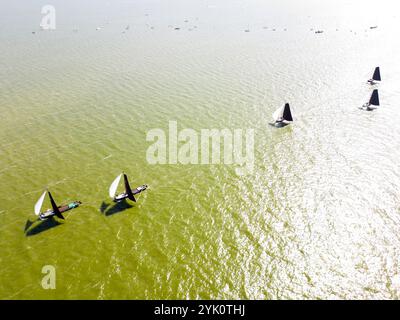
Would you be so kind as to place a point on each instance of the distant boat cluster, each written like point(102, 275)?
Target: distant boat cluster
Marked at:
point(195, 27)
point(319, 31)
point(186, 21)
point(283, 116)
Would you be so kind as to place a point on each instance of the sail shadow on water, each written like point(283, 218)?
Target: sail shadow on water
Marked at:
point(118, 207)
point(103, 207)
point(35, 227)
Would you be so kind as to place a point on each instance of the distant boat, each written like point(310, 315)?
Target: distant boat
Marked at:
point(373, 102)
point(129, 193)
point(374, 27)
point(375, 77)
point(282, 116)
point(319, 31)
point(55, 211)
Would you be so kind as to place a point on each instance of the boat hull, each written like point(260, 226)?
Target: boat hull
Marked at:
point(367, 107)
point(123, 196)
point(279, 124)
point(50, 213)
point(372, 82)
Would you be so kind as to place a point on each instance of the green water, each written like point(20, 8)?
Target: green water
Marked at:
point(319, 216)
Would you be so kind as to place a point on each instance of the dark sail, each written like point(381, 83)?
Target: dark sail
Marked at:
point(128, 189)
point(55, 208)
point(287, 115)
point(377, 74)
point(374, 98)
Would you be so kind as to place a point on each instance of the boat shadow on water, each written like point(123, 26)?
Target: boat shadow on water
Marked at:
point(108, 209)
point(39, 227)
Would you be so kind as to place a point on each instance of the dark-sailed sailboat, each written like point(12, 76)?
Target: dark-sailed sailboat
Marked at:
point(282, 116)
point(373, 102)
point(55, 210)
point(375, 77)
point(128, 194)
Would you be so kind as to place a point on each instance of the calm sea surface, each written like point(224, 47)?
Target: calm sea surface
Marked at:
point(318, 218)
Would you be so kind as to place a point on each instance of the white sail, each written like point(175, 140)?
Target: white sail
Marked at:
point(39, 203)
point(278, 113)
point(114, 186)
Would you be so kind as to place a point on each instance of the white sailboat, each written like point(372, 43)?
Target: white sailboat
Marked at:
point(49, 212)
point(55, 210)
point(375, 77)
point(373, 102)
point(129, 193)
point(282, 116)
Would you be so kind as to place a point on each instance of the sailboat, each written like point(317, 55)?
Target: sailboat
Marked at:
point(375, 77)
point(282, 116)
point(373, 101)
point(129, 193)
point(55, 210)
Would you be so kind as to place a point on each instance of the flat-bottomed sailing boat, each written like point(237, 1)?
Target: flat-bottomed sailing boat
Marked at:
point(375, 77)
point(128, 194)
point(282, 116)
point(372, 103)
point(55, 210)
